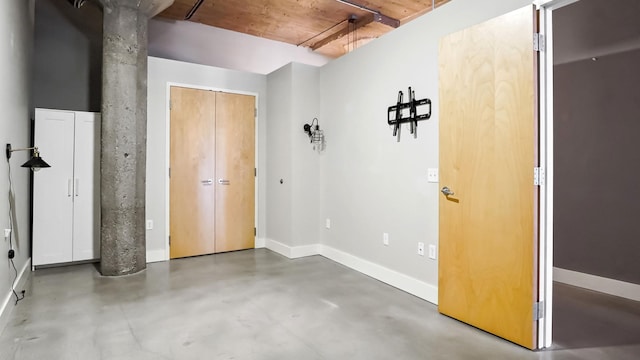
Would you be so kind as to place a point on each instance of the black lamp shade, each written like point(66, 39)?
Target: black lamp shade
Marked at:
point(36, 162)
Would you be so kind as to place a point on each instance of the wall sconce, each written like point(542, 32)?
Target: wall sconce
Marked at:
point(316, 136)
point(35, 163)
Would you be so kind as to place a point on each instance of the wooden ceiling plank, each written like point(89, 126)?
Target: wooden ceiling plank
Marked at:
point(367, 19)
point(294, 21)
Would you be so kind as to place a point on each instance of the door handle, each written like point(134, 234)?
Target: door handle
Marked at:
point(223, 182)
point(446, 191)
point(207, 182)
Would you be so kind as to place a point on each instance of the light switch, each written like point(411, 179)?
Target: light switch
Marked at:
point(149, 224)
point(432, 175)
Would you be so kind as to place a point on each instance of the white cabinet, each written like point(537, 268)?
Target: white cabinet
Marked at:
point(66, 196)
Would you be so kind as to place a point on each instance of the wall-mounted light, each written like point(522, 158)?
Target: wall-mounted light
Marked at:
point(77, 3)
point(316, 136)
point(35, 163)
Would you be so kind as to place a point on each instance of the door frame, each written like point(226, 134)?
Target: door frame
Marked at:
point(167, 255)
point(545, 292)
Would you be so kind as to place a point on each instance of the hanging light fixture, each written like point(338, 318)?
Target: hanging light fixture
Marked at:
point(316, 136)
point(35, 163)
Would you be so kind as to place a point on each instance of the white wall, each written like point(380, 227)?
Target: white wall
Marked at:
point(201, 44)
point(371, 183)
point(293, 206)
point(161, 72)
point(16, 41)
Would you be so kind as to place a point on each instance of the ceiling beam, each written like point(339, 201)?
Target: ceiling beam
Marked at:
point(378, 16)
point(362, 21)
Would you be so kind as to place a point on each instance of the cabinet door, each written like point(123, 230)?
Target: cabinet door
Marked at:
point(86, 187)
point(53, 188)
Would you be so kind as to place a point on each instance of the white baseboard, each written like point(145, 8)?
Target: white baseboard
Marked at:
point(306, 250)
point(292, 252)
point(156, 256)
point(398, 280)
point(597, 283)
point(260, 243)
point(6, 308)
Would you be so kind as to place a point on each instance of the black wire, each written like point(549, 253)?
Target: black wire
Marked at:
point(13, 285)
point(11, 221)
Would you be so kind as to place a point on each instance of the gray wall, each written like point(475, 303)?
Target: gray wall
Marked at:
point(372, 184)
point(68, 56)
point(16, 32)
point(279, 154)
point(597, 166)
point(293, 207)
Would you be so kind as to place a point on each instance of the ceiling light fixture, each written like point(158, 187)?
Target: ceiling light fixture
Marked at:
point(77, 3)
point(193, 10)
point(377, 15)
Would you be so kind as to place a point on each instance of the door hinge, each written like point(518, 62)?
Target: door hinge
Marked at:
point(538, 176)
point(539, 43)
point(255, 112)
point(170, 105)
point(538, 310)
point(255, 172)
point(169, 240)
point(255, 231)
point(169, 173)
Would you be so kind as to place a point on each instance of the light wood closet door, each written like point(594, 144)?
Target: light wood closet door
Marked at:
point(191, 183)
point(235, 170)
point(488, 151)
point(212, 182)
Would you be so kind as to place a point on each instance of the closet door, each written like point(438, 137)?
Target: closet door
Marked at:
point(53, 188)
point(86, 187)
point(192, 162)
point(212, 178)
point(235, 171)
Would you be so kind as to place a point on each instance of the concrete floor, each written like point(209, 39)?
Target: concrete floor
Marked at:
point(259, 305)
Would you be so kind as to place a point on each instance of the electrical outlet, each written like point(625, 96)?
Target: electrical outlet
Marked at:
point(385, 239)
point(421, 248)
point(149, 224)
point(7, 233)
point(432, 252)
point(327, 223)
point(432, 175)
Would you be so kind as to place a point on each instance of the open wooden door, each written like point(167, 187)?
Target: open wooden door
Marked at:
point(488, 275)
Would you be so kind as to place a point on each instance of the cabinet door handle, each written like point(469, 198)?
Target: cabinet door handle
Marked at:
point(69, 188)
point(77, 186)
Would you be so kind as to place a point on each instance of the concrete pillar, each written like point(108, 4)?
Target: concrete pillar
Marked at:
point(124, 133)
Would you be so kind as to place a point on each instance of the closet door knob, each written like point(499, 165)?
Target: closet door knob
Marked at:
point(224, 182)
point(207, 182)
